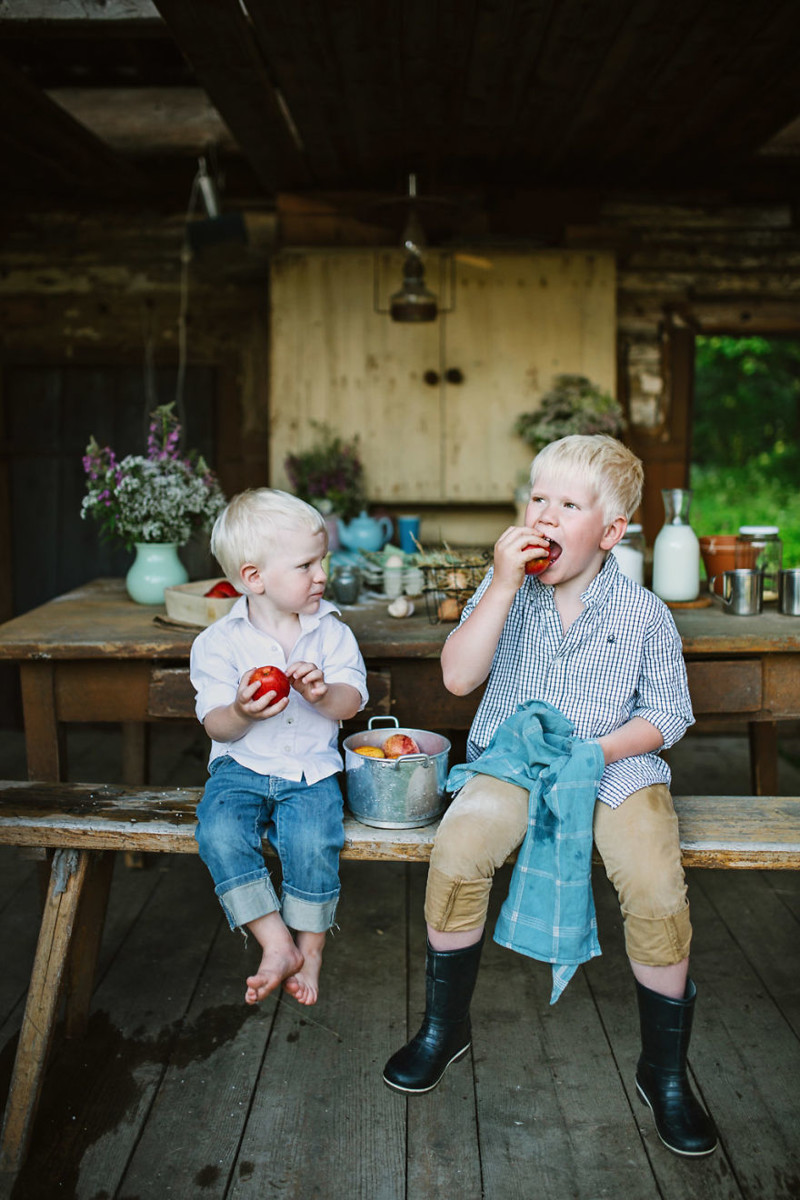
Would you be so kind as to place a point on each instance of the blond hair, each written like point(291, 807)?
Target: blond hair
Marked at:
point(253, 523)
point(612, 470)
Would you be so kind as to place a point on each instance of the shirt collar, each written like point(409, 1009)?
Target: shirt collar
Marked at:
point(595, 593)
point(603, 582)
point(307, 620)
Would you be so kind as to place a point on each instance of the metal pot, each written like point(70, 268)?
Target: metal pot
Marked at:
point(396, 793)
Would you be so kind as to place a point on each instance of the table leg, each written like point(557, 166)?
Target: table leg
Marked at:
point(135, 769)
point(41, 1008)
point(44, 739)
point(764, 757)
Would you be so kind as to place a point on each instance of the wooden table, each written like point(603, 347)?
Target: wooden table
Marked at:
point(93, 655)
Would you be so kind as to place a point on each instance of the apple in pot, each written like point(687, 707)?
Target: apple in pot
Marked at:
point(398, 744)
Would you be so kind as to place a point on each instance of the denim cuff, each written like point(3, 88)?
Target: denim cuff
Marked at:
point(306, 916)
point(248, 901)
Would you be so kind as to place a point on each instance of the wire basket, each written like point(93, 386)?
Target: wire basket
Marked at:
point(449, 585)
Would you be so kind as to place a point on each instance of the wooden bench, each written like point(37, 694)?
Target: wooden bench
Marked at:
point(83, 824)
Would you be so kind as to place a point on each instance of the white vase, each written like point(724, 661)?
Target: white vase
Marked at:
point(155, 567)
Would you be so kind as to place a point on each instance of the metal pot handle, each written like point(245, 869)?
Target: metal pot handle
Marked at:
point(384, 717)
point(425, 759)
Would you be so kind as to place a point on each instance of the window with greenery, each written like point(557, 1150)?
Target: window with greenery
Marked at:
point(746, 437)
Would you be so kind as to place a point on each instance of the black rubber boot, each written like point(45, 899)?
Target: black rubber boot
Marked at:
point(445, 1033)
point(661, 1080)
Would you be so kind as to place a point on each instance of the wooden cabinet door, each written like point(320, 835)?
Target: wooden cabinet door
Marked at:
point(336, 360)
point(516, 323)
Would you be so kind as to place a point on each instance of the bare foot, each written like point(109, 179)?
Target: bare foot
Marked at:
point(280, 959)
point(304, 984)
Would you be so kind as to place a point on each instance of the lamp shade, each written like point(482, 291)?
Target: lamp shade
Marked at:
point(413, 303)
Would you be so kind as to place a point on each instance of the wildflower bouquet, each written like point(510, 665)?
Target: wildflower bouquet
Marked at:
point(329, 475)
point(573, 405)
point(164, 497)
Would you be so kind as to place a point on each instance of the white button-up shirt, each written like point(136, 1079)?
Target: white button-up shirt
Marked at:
point(621, 658)
point(300, 741)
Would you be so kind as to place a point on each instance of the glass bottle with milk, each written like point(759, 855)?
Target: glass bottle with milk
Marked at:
point(676, 552)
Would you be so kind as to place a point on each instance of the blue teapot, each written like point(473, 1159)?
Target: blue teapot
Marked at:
point(365, 533)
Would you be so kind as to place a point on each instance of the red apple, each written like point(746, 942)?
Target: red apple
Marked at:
point(399, 743)
point(270, 679)
point(221, 591)
point(536, 565)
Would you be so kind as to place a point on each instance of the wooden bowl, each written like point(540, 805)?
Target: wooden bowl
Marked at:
point(188, 603)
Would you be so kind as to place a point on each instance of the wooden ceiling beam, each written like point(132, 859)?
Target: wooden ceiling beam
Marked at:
point(62, 12)
point(59, 150)
point(218, 42)
point(148, 122)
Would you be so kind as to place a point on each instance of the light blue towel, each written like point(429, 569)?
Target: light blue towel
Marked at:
point(549, 911)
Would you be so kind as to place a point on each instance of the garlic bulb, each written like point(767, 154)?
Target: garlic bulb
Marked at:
point(401, 607)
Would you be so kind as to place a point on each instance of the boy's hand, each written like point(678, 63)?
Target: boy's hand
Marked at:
point(308, 680)
point(256, 710)
point(516, 547)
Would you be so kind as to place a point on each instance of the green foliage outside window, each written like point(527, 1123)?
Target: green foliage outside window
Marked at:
point(746, 437)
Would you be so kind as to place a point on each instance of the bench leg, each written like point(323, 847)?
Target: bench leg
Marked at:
point(86, 940)
point(41, 1008)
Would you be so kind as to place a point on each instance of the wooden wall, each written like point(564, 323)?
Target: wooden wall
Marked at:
point(87, 290)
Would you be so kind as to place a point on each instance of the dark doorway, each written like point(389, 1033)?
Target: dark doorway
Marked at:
point(49, 414)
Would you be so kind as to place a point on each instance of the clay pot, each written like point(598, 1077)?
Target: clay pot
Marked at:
point(723, 552)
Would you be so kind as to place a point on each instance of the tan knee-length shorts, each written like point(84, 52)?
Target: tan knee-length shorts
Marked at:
point(638, 843)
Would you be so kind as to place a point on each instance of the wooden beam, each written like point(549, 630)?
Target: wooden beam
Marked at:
point(218, 42)
point(148, 121)
point(63, 11)
point(57, 149)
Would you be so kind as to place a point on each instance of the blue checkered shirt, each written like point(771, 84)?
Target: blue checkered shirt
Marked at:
point(621, 658)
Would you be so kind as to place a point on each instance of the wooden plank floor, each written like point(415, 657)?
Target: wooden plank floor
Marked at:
point(181, 1090)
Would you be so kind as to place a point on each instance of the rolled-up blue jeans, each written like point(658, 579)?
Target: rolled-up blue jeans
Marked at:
point(303, 824)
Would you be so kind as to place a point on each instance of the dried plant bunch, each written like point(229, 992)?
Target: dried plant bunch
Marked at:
point(573, 405)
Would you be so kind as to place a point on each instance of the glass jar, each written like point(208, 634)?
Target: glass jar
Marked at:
point(629, 553)
point(346, 584)
point(760, 547)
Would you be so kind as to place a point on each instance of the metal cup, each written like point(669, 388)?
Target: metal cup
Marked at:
point(789, 592)
point(742, 591)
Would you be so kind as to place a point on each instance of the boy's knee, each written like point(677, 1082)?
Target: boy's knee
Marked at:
point(462, 850)
point(658, 941)
point(455, 905)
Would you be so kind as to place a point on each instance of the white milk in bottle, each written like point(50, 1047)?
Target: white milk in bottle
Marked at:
point(676, 552)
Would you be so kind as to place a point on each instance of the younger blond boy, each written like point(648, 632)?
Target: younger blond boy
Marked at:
point(274, 763)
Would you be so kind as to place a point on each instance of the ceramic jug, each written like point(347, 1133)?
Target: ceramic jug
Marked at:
point(365, 533)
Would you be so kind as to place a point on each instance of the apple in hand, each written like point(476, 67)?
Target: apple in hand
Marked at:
point(399, 743)
point(270, 679)
point(221, 591)
point(536, 565)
